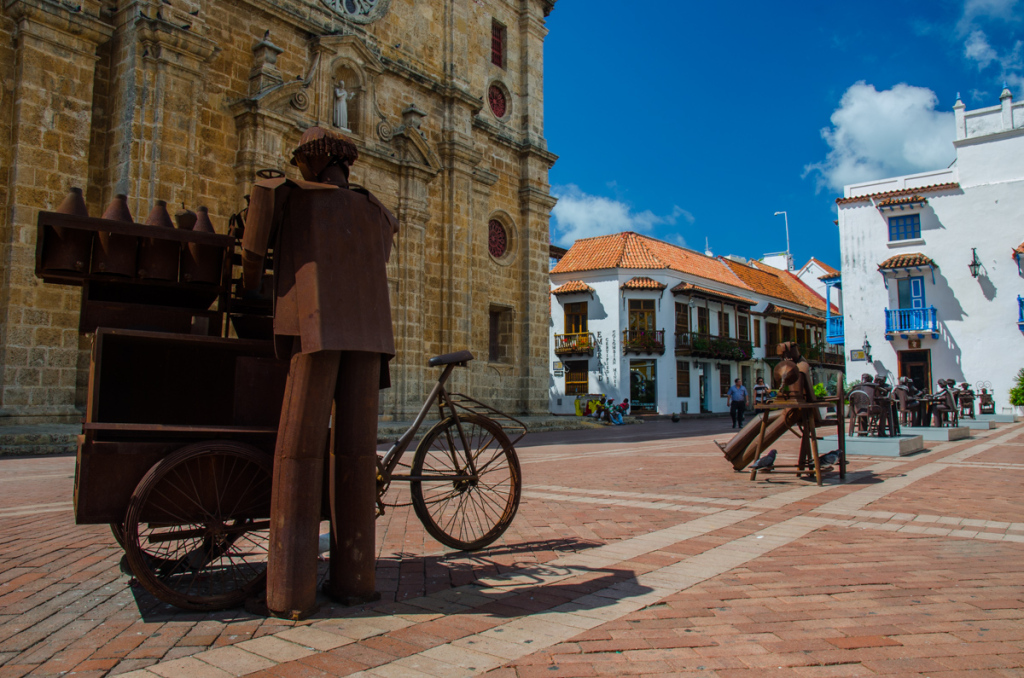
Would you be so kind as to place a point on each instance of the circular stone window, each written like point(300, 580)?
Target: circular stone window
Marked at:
point(497, 239)
point(497, 100)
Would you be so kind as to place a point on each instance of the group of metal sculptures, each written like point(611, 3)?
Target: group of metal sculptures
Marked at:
point(880, 410)
point(214, 455)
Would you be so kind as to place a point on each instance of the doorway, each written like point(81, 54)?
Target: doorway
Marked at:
point(917, 365)
point(643, 392)
point(704, 369)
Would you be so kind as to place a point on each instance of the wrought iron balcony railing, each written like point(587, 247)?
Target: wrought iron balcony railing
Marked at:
point(911, 321)
point(825, 354)
point(643, 341)
point(579, 342)
point(703, 345)
point(834, 330)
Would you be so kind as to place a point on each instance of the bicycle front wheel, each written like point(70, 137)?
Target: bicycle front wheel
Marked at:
point(460, 509)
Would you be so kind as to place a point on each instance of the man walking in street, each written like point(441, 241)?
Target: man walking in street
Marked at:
point(737, 396)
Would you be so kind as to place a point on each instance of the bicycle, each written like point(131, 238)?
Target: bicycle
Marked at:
point(465, 478)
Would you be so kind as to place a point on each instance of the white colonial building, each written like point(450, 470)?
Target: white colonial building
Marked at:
point(670, 328)
point(930, 261)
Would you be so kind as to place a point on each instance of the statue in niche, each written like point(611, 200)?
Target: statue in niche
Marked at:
point(341, 98)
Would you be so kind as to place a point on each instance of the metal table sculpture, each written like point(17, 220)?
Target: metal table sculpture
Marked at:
point(874, 408)
point(332, 320)
point(795, 406)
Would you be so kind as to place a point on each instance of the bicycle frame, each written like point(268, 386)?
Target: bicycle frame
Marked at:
point(394, 455)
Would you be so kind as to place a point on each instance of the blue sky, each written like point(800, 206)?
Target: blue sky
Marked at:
point(687, 120)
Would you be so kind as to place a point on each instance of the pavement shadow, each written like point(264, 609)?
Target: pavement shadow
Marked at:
point(153, 610)
point(662, 429)
point(533, 588)
point(571, 544)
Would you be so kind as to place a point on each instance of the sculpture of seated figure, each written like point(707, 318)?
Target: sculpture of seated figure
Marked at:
point(864, 410)
point(965, 400)
point(910, 407)
point(944, 412)
point(986, 403)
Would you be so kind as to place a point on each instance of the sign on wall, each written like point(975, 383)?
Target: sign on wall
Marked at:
point(857, 354)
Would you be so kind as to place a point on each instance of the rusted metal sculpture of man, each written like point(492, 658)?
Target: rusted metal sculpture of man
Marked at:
point(332, 316)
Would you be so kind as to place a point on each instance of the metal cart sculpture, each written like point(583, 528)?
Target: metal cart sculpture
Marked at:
point(177, 447)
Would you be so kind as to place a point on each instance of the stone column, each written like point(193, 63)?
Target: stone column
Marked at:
point(55, 63)
point(536, 207)
point(458, 157)
point(157, 72)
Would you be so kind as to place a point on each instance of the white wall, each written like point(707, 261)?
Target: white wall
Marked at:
point(608, 316)
point(979, 339)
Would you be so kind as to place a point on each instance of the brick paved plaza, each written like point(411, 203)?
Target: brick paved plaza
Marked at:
point(637, 550)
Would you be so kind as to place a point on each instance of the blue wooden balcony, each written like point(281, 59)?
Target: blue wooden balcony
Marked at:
point(834, 329)
point(905, 322)
point(1020, 313)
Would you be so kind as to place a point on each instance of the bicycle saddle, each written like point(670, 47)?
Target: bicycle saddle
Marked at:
point(449, 358)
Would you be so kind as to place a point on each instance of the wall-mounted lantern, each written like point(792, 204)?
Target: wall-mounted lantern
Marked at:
point(975, 264)
point(867, 349)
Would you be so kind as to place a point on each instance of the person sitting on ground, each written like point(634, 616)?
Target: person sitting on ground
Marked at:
point(624, 406)
point(760, 392)
point(614, 413)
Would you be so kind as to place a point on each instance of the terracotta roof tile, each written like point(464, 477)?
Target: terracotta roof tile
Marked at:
point(631, 250)
point(900, 192)
point(772, 309)
point(890, 202)
point(694, 290)
point(828, 269)
point(643, 283)
point(908, 260)
point(779, 284)
point(1020, 249)
point(572, 287)
point(830, 276)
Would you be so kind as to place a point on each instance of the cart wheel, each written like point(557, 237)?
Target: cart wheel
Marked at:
point(466, 514)
point(196, 531)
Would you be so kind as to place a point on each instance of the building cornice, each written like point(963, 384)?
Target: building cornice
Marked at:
point(52, 22)
point(997, 136)
point(869, 197)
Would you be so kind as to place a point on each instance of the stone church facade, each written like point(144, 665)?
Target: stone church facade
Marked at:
point(184, 100)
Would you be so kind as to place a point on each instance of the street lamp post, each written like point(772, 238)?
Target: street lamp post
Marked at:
point(786, 217)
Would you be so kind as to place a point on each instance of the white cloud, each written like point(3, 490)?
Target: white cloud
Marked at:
point(881, 134)
point(581, 215)
point(1007, 53)
point(975, 10)
point(978, 50)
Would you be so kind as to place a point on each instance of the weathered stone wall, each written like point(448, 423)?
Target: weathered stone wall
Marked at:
point(184, 101)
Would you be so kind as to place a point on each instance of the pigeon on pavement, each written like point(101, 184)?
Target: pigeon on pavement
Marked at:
point(830, 459)
point(767, 461)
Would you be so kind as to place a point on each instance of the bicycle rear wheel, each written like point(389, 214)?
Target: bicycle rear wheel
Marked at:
point(466, 513)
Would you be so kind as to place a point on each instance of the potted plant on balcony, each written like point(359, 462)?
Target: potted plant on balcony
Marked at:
point(701, 346)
